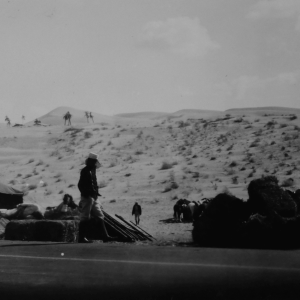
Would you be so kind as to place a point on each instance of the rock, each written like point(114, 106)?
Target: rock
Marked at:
point(277, 233)
point(42, 230)
point(220, 222)
point(267, 198)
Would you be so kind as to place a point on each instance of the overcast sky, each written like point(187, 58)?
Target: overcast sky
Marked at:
point(117, 56)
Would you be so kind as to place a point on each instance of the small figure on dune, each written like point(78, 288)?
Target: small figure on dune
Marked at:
point(87, 115)
point(37, 122)
point(92, 117)
point(67, 117)
point(7, 120)
point(88, 205)
point(137, 211)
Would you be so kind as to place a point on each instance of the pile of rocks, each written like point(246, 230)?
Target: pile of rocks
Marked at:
point(269, 219)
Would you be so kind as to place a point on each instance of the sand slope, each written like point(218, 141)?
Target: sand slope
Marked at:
point(203, 152)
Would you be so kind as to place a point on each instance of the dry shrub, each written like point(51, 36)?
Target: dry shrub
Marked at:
point(87, 134)
point(166, 165)
point(32, 187)
point(289, 182)
point(40, 162)
point(102, 184)
point(234, 179)
point(233, 164)
point(267, 198)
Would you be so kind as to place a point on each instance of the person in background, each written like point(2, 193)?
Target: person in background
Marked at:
point(88, 205)
point(137, 211)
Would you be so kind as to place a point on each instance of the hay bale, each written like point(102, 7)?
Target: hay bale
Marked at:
point(267, 198)
point(219, 224)
point(42, 230)
point(3, 223)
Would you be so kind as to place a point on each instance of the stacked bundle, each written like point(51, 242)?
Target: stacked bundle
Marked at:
point(126, 231)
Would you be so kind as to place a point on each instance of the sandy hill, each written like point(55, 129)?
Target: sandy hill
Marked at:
point(55, 117)
point(154, 162)
point(180, 114)
point(270, 110)
point(194, 114)
point(142, 115)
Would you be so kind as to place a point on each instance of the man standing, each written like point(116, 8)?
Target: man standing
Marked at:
point(88, 204)
point(137, 211)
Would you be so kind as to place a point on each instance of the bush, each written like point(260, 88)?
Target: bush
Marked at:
point(267, 198)
point(234, 179)
point(102, 184)
point(220, 222)
point(288, 182)
point(138, 152)
point(233, 164)
point(40, 162)
point(32, 187)
point(87, 134)
point(166, 165)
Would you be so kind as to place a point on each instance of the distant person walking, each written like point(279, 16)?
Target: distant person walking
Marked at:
point(137, 211)
point(88, 205)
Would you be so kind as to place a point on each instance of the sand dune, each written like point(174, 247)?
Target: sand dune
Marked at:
point(204, 152)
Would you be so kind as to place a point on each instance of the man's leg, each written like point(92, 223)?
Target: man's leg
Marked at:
point(98, 214)
point(85, 206)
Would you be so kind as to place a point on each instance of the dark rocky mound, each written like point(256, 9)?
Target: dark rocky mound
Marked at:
point(268, 219)
point(220, 223)
point(267, 198)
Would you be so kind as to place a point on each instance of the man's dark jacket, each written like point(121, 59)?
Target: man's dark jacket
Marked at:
point(139, 208)
point(87, 184)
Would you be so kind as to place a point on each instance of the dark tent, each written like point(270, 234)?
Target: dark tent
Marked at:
point(9, 197)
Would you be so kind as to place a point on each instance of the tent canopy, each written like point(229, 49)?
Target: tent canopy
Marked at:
point(8, 190)
point(9, 196)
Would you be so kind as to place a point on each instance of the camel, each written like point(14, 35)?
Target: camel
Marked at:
point(92, 117)
point(177, 212)
point(67, 117)
point(87, 115)
point(7, 119)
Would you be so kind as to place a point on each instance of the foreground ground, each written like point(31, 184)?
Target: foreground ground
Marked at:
point(141, 271)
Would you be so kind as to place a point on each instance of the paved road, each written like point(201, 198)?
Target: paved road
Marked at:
point(118, 271)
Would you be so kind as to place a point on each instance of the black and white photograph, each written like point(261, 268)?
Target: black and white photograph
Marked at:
point(150, 149)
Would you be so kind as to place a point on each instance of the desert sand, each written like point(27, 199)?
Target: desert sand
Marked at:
point(143, 154)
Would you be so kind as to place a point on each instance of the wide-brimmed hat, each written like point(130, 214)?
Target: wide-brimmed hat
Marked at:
point(93, 156)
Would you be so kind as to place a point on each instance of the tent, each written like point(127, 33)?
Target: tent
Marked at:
point(9, 196)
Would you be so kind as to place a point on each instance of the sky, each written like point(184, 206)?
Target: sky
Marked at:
point(121, 56)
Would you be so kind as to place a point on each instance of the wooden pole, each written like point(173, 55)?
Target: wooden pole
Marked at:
point(123, 229)
point(143, 230)
point(148, 238)
point(118, 230)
